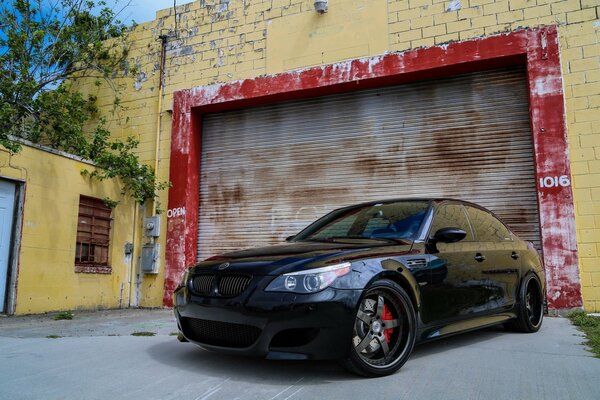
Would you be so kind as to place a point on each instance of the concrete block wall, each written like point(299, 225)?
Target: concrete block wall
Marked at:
point(217, 41)
point(580, 51)
point(46, 279)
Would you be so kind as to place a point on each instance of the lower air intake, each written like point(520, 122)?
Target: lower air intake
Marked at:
point(217, 333)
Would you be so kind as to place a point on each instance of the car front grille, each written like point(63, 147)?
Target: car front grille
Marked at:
point(233, 285)
point(203, 284)
point(226, 285)
point(217, 333)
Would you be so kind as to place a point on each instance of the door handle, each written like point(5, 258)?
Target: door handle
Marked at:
point(479, 257)
point(514, 255)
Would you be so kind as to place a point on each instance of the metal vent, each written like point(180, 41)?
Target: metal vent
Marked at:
point(217, 333)
point(416, 263)
point(203, 284)
point(233, 285)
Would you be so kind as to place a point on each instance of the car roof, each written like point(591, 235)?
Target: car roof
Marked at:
point(436, 200)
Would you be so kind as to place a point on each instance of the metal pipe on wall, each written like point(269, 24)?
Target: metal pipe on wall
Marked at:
point(163, 46)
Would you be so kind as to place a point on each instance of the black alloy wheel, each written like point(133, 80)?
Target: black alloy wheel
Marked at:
point(530, 307)
point(384, 331)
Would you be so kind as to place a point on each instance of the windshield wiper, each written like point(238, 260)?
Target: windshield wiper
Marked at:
point(334, 238)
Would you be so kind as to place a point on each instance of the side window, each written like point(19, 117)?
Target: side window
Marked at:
point(486, 227)
point(451, 216)
point(93, 236)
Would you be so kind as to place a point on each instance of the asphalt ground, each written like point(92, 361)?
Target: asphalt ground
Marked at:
point(96, 357)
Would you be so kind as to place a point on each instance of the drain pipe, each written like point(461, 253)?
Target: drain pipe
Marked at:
point(161, 87)
point(161, 76)
point(132, 267)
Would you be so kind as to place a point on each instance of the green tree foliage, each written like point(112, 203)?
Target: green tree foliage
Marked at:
point(45, 47)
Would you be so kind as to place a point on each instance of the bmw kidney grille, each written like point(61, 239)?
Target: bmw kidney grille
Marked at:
point(229, 285)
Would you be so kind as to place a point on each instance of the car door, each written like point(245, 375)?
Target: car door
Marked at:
point(499, 260)
point(454, 287)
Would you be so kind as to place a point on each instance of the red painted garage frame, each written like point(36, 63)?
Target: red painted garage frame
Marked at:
point(538, 49)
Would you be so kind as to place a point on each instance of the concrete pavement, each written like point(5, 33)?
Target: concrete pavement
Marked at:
point(97, 358)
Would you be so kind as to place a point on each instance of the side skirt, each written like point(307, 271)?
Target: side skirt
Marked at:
point(429, 334)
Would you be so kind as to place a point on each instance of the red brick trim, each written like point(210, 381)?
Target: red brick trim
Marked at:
point(93, 269)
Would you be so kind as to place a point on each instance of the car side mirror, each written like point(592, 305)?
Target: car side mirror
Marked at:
point(289, 238)
point(449, 235)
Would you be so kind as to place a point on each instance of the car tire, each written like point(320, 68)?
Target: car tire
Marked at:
point(530, 306)
point(384, 331)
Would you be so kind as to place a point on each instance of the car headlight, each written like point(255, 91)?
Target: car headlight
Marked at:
point(310, 281)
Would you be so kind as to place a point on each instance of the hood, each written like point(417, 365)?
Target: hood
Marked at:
point(293, 257)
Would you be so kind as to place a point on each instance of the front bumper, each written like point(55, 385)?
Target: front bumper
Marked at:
point(270, 324)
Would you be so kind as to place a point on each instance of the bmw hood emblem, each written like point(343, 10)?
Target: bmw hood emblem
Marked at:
point(223, 266)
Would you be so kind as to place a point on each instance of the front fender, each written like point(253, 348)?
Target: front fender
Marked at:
point(399, 273)
point(366, 272)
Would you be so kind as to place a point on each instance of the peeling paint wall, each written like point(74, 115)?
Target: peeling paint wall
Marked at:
point(46, 277)
point(319, 39)
point(580, 54)
point(216, 41)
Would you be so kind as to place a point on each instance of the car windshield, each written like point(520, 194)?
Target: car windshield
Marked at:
point(383, 221)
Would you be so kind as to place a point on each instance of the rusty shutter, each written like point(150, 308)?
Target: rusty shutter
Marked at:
point(267, 172)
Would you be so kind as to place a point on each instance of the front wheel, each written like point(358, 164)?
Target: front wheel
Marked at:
point(530, 308)
point(384, 331)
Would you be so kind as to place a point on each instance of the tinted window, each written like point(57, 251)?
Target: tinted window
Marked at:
point(486, 227)
point(451, 216)
point(376, 225)
point(399, 220)
point(339, 227)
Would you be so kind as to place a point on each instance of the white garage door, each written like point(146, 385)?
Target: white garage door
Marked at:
point(7, 210)
point(267, 172)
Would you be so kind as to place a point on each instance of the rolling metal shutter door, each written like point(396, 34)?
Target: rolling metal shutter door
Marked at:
point(267, 172)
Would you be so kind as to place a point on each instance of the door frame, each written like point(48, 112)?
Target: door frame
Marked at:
point(14, 251)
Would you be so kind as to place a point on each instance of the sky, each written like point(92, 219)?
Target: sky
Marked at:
point(141, 10)
point(137, 10)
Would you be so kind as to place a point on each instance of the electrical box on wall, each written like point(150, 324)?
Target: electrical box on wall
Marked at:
point(150, 256)
point(152, 226)
point(128, 248)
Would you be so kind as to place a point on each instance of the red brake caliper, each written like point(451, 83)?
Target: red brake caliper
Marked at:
point(387, 316)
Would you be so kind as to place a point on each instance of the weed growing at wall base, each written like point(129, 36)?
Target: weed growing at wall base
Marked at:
point(143, 334)
point(590, 325)
point(63, 315)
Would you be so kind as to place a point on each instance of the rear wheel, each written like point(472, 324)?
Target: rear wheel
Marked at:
point(384, 331)
point(530, 306)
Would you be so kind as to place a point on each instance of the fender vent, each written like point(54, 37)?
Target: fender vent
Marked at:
point(416, 263)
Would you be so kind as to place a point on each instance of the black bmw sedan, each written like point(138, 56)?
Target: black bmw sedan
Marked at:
point(363, 284)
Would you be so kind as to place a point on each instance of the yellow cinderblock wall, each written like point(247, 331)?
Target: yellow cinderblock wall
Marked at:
point(580, 51)
point(46, 275)
point(225, 41)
